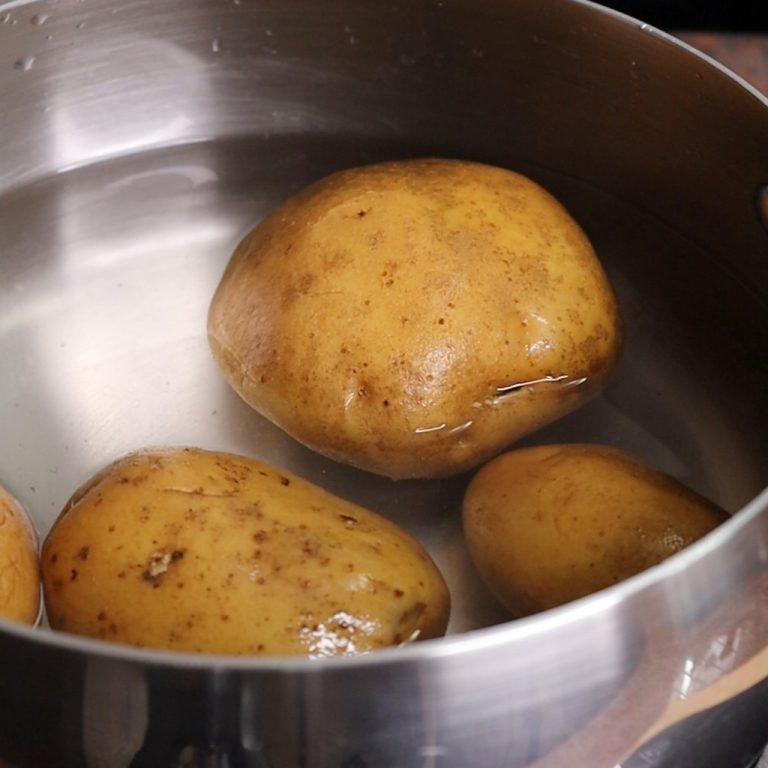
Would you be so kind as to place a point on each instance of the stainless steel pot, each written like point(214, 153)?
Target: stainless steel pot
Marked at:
point(141, 139)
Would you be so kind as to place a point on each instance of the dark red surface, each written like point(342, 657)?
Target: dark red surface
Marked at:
point(745, 54)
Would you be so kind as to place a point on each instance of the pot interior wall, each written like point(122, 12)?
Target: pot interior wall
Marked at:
point(141, 145)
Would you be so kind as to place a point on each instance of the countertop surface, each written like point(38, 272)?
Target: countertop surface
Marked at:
point(745, 54)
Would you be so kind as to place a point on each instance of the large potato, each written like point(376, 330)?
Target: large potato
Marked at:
point(414, 318)
point(549, 524)
point(19, 567)
point(200, 551)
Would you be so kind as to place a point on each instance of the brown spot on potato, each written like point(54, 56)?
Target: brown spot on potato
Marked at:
point(83, 553)
point(306, 282)
point(310, 547)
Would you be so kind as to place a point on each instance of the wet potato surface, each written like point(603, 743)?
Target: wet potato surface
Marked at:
point(414, 318)
point(19, 567)
point(552, 523)
point(193, 550)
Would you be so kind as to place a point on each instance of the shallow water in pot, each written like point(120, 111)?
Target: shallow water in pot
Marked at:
point(106, 272)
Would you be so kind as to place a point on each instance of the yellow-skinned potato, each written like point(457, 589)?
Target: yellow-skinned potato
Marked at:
point(19, 566)
point(549, 524)
point(413, 318)
point(192, 550)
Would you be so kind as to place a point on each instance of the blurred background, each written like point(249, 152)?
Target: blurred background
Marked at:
point(724, 15)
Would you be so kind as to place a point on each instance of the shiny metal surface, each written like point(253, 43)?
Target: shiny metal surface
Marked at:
point(140, 140)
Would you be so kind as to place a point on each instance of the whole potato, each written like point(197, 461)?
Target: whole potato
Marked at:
point(549, 524)
point(192, 550)
point(19, 566)
point(413, 318)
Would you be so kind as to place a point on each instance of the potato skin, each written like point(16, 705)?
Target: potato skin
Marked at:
point(413, 318)
point(192, 550)
point(19, 563)
point(549, 524)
